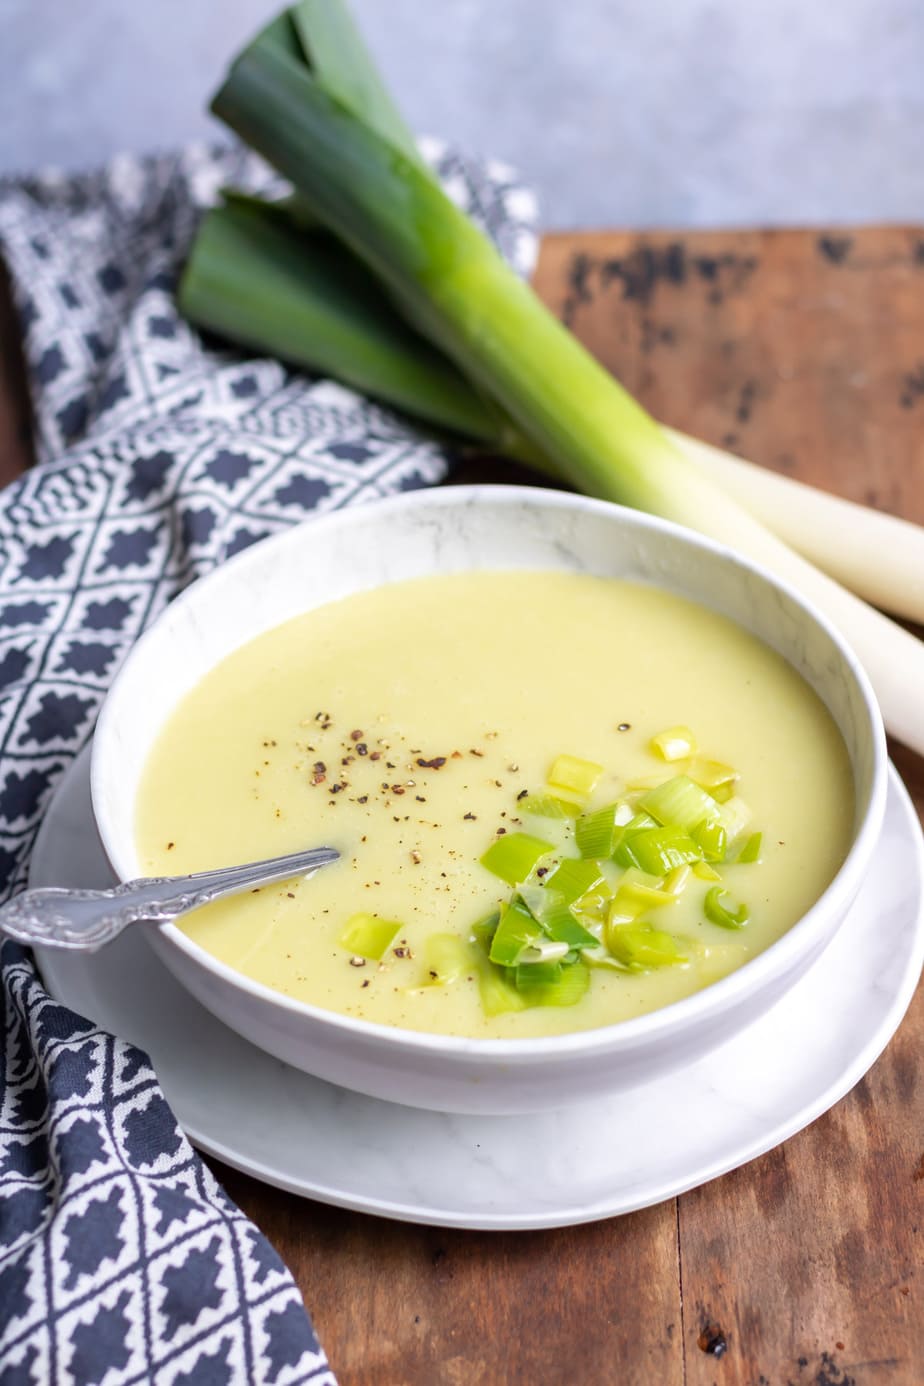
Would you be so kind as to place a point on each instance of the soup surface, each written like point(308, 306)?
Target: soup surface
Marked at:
point(403, 726)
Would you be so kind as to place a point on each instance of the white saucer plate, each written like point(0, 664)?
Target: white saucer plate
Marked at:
point(550, 1169)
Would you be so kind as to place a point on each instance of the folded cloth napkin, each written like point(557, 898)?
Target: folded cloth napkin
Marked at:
point(121, 1258)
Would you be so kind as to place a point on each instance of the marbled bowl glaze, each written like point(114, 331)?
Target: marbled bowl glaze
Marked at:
point(456, 530)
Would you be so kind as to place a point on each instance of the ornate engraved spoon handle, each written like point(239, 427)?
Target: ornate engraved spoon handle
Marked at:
point(83, 920)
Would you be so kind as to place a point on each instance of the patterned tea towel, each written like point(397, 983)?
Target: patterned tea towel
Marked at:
point(121, 1258)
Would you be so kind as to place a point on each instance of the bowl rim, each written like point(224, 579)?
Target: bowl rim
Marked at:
point(639, 1031)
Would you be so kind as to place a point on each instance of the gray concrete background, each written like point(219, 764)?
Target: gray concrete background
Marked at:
point(620, 112)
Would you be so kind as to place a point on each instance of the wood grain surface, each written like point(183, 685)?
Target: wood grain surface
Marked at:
point(805, 352)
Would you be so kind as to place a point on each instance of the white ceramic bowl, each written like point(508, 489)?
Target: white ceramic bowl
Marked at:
point(456, 529)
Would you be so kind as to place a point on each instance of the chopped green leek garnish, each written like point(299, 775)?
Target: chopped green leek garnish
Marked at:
point(680, 801)
point(562, 926)
point(548, 806)
point(712, 838)
point(567, 990)
point(596, 833)
point(515, 856)
point(750, 852)
point(547, 971)
point(638, 891)
point(447, 958)
point(735, 815)
point(497, 994)
point(711, 774)
point(623, 853)
point(574, 775)
point(367, 936)
point(516, 929)
point(590, 911)
point(575, 879)
point(641, 947)
point(720, 908)
point(676, 881)
point(659, 850)
point(483, 930)
point(538, 899)
point(674, 744)
point(549, 908)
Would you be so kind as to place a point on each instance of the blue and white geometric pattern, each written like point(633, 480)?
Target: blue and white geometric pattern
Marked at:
point(121, 1259)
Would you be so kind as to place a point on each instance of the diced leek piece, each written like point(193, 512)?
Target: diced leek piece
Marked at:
point(637, 892)
point(751, 850)
point(705, 872)
point(516, 929)
point(712, 838)
point(514, 857)
point(539, 900)
point(721, 908)
point(659, 850)
point(548, 972)
point(574, 775)
point(574, 879)
point(621, 914)
point(544, 951)
point(571, 985)
point(549, 908)
point(483, 930)
point(562, 926)
point(711, 774)
point(641, 947)
point(447, 958)
point(676, 743)
point(367, 936)
point(623, 852)
point(548, 806)
point(735, 815)
point(676, 881)
point(596, 833)
point(497, 993)
point(591, 910)
point(556, 918)
point(680, 801)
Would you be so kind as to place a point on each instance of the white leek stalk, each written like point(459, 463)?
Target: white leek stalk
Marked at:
point(875, 555)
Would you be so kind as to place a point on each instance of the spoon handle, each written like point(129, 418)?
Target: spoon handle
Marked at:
point(83, 920)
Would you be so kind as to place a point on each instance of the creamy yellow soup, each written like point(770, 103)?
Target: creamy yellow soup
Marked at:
point(403, 725)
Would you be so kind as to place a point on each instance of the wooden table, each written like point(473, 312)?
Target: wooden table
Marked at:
point(804, 351)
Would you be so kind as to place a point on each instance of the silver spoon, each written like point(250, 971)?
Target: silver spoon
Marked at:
point(83, 920)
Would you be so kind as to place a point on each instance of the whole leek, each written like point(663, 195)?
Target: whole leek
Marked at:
point(452, 285)
point(265, 275)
